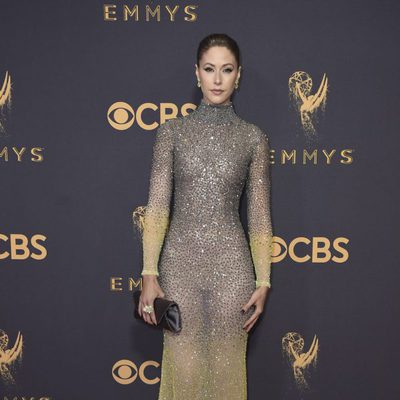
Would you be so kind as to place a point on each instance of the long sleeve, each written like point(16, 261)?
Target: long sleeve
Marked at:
point(258, 211)
point(156, 219)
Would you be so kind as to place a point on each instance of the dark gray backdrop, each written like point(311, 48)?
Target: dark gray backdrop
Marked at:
point(68, 66)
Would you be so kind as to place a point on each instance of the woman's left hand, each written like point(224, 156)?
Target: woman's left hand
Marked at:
point(257, 299)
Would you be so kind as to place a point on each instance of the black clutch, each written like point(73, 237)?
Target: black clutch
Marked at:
point(167, 313)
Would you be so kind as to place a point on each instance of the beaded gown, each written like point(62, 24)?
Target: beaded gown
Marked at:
point(193, 240)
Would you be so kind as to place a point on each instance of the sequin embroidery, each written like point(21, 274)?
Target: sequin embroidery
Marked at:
point(194, 242)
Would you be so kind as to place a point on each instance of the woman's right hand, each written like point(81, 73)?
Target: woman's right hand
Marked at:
point(150, 291)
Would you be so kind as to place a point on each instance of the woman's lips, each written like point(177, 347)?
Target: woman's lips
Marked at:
point(217, 92)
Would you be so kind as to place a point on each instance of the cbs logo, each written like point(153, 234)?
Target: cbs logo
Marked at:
point(19, 247)
point(318, 249)
point(126, 372)
point(121, 115)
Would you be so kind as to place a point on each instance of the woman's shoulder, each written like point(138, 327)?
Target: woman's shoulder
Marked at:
point(170, 124)
point(173, 124)
point(255, 132)
point(169, 127)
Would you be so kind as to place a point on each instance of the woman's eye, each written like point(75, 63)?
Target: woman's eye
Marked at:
point(208, 69)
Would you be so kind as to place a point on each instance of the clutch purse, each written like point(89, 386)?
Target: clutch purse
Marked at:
point(167, 313)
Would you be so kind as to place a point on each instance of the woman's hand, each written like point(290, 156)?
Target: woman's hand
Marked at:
point(150, 291)
point(257, 299)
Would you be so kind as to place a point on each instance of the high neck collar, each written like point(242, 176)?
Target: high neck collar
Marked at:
point(219, 114)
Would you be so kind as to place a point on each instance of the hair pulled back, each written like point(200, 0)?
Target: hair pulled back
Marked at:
point(218, 39)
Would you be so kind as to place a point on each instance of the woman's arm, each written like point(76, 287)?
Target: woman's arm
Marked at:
point(258, 211)
point(156, 219)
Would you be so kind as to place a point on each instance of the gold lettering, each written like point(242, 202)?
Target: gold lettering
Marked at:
point(34, 152)
point(341, 250)
point(19, 153)
point(188, 10)
point(292, 253)
point(164, 116)
point(115, 284)
point(308, 156)
point(132, 13)
point(6, 253)
point(272, 156)
point(329, 155)
point(285, 156)
point(109, 12)
point(22, 245)
point(139, 111)
point(37, 246)
point(186, 107)
point(133, 283)
point(348, 159)
point(127, 12)
point(172, 12)
point(149, 11)
point(316, 250)
point(4, 153)
point(142, 369)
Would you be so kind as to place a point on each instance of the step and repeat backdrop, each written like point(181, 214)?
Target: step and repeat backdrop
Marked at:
point(83, 88)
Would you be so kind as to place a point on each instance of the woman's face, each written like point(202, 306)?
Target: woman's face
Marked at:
point(218, 72)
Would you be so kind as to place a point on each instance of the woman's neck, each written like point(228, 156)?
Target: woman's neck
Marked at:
point(215, 113)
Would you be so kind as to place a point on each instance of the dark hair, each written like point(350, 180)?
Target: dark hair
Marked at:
point(218, 39)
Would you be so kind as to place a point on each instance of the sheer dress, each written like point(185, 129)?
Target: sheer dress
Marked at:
point(194, 242)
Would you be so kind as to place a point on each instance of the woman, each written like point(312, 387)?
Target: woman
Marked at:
point(205, 159)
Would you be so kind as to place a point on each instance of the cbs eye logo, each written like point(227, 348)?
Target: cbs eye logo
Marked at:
point(318, 249)
point(121, 116)
point(126, 372)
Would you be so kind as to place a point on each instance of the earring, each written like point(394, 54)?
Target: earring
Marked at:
point(236, 84)
point(198, 83)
